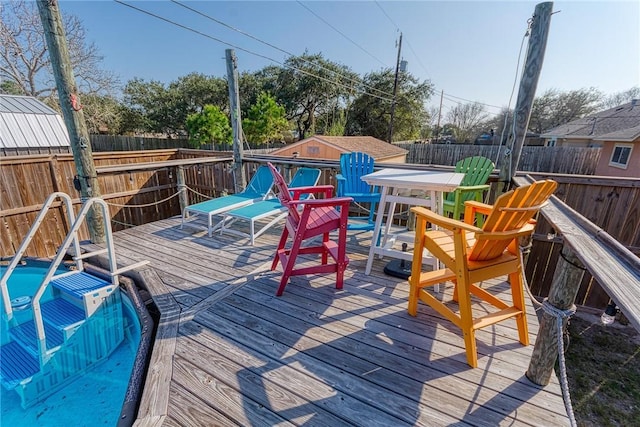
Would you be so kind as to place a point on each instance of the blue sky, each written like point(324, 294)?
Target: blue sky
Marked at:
point(468, 49)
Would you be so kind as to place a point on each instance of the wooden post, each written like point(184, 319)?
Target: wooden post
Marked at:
point(526, 91)
point(439, 116)
point(234, 101)
point(72, 113)
point(562, 295)
point(182, 188)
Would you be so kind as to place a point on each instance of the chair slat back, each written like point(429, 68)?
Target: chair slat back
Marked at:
point(512, 211)
point(260, 184)
point(305, 177)
point(352, 167)
point(283, 194)
point(476, 171)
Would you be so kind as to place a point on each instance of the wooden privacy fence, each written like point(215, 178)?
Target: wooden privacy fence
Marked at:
point(143, 186)
point(26, 181)
point(135, 143)
point(139, 187)
point(570, 160)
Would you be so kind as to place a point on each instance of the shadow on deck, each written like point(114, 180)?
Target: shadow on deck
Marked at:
point(229, 352)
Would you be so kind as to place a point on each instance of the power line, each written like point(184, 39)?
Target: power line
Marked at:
point(388, 17)
point(342, 34)
point(277, 48)
point(420, 62)
point(245, 50)
point(418, 59)
point(468, 100)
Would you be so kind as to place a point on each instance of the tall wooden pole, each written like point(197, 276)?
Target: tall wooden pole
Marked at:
point(562, 296)
point(72, 112)
point(395, 90)
point(234, 102)
point(439, 115)
point(527, 90)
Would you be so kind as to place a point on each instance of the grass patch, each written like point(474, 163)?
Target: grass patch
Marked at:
point(603, 369)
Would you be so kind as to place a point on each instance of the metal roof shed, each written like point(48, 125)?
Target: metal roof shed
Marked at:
point(28, 126)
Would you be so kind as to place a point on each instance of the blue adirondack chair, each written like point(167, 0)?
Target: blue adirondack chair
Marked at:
point(352, 167)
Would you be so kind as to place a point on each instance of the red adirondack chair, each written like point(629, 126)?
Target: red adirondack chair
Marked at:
point(307, 219)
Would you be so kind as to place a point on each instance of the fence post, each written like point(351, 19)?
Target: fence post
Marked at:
point(562, 295)
point(182, 188)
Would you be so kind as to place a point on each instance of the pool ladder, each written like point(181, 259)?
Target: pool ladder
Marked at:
point(76, 283)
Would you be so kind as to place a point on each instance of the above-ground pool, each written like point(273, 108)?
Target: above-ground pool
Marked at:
point(93, 398)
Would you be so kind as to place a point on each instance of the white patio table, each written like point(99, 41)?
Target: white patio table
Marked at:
point(391, 183)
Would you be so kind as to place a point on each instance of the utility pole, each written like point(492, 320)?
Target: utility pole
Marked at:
point(439, 115)
point(527, 90)
point(395, 90)
point(72, 113)
point(234, 102)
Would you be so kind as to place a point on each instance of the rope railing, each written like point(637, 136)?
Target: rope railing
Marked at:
point(146, 205)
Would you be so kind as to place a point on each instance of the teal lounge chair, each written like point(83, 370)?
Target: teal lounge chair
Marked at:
point(304, 177)
point(259, 188)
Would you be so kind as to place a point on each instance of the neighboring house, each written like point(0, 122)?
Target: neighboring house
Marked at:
point(28, 126)
point(616, 130)
point(330, 148)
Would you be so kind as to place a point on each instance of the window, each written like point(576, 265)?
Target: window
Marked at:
point(311, 150)
point(621, 155)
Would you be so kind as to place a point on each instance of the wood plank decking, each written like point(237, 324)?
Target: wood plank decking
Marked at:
point(229, 352)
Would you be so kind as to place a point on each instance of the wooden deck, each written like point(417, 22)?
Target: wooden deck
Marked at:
point(229, 352)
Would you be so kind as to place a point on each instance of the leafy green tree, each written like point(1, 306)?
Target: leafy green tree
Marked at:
point(265, 121)
point(309, 86)
point(103, 114)
point(337, 125)
point(165, 108)
point(8, 87)
point(153, 101)
point(210, 126)
point(370, 113)
point(250, 86)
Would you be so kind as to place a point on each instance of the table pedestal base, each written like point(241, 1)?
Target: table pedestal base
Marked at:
point(398, 268)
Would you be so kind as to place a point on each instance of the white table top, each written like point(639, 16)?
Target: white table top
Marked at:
point(414, 179)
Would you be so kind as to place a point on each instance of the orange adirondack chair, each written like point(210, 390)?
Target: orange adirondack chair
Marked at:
point(471, 255)
point(307, 219)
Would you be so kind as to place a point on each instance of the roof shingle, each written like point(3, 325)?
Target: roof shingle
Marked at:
point(618, 123)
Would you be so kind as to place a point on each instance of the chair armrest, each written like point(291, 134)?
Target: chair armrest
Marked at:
point(474, 207)
point(317, 203)
point(326, 190)
point(472, 188)
point(341, 183)
point(443, 221)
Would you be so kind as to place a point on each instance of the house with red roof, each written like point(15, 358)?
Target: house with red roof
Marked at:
point(330, 147)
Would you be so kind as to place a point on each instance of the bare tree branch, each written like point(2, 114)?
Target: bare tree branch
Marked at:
point(24, 59)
